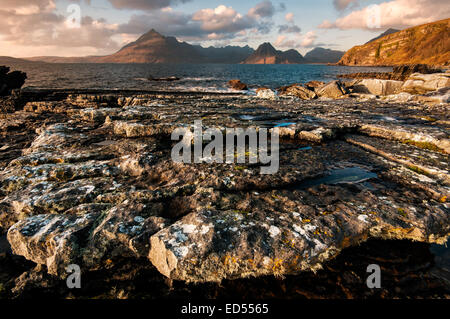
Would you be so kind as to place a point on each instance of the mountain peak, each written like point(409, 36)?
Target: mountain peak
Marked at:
point(266, 49)
point(385, 33)
point(267, 54)
point(153, 47)
point(152, 34)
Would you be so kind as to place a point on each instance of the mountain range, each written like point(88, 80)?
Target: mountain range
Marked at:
point(267, 54)
point(321, 55)
point(426, 44)
point(152, 47)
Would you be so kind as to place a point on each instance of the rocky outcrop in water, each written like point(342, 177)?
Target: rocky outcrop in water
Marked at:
point(10, 83)
point(237, 85)
point(88, 180)
point(10, 80)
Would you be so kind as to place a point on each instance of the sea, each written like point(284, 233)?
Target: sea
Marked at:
point(192, 77)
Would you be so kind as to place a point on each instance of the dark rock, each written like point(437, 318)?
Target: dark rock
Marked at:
point(237, 85)
point(300, 92)
point(9, 82)
point(399, 73)
point(402, 72)
point(16, 79)
point(312, 85)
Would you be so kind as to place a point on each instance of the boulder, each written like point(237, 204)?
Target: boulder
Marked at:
point(300, 92)
point(265, 93)
point(333, 90)
point(237, 85)
point(314, 84)
point(10, 81)
point(419, 83)
point(16, 79)
point(377, 87)
point(51, 240)
point(402, 72)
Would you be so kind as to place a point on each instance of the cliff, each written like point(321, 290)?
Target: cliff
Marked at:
point(425, 44)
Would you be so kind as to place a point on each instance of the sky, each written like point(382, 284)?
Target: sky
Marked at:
point(99, 27)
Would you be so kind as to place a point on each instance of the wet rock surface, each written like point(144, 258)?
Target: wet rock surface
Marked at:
point(88, 179)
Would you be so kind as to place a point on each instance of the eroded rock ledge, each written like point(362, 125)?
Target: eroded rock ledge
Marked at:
point(88, 179)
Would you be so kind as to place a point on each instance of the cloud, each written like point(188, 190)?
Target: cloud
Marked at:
point(344, 4)
point(326, 24)
point(263, 9)
point(222, 19)
point(144, 4)
point(290, 27)
point(309, 40)
point(289, 17)
point(398, 14)
point(222, 22)
point(287, 28)
point(36, 24)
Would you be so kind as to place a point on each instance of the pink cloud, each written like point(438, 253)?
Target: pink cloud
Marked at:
point(393, 14)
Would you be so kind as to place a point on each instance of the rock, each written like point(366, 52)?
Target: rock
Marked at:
point(125, 231)
point(58, 241)
point(440, 140)
point(402, 72)
point(377, 87)
point(436, 97)
point(399, 73)
point(264, 93)
point(84, 181)
point(166, 79)
point(367, 75)
point(333, 90)
point(402, 97)
point(363, 96)
point(312, 85)
point(422, 83)
point(210, 246)
point(51, 240)
point(16, 79)
point(10, 81)
point(237, 85)
point(300, 92)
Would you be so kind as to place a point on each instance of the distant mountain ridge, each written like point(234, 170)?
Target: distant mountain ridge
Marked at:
point(152, 47)
point(385, 33)
point(424, 44)
point(267, 54)
point(322, 55)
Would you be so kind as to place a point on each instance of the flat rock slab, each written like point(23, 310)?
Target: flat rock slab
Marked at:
point(93, 183)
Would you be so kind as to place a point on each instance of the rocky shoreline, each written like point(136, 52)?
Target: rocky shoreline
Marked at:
point(87, 179)
point(409, 83)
